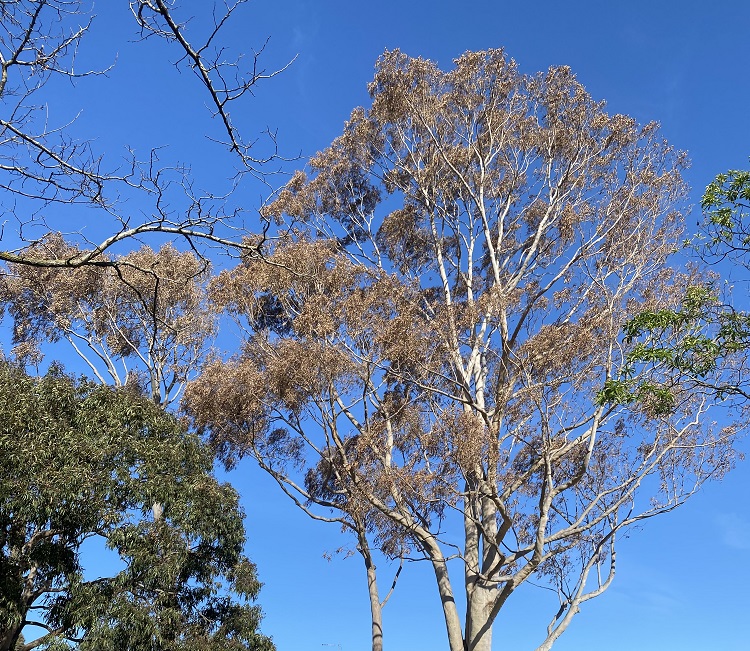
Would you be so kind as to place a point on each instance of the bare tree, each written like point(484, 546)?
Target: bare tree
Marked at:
point(44, 168)
point(439, 338)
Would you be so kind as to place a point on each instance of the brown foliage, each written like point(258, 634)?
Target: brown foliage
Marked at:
point(148, 311)
point(433, 342)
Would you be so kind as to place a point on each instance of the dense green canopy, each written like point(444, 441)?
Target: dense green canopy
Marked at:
point(81, 462)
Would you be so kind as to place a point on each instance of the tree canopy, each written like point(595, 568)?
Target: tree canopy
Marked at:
point(463, 340)
point(144, 318)
point(726, 203)
point(427, 350)
point(83, 463)
point(705, 339)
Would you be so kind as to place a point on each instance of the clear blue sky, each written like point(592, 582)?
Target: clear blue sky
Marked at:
point(682, 580)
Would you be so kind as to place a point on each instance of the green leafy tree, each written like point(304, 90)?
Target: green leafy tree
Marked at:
point(81, 462)
point(704, 340)
point(726, 205)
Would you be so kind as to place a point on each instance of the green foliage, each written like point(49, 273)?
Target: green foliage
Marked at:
point(80, 461)
point(725, 203)
point(726, 208)
point(697, 300)
point(688, 341)
point(656, 399)
point(702, 335)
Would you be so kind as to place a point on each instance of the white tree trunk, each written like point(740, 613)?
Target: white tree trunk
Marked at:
point(479, 559)
point(452, 620)
point(376, 610)
point(478, 625)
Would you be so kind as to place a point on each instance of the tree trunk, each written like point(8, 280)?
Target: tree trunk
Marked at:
point(478, 624)
point(452, 620)
point(9, 637)
point(376, 611)
point(479, 558)
point(546, 645)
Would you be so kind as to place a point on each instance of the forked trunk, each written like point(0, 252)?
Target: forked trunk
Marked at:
point(479, 559)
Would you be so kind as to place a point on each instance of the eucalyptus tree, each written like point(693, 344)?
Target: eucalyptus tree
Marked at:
point(82, 463)
point(139, 322)
point(143, 318)
point(438, 344)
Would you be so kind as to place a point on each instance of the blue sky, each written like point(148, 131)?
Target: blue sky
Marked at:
point(682, 579)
